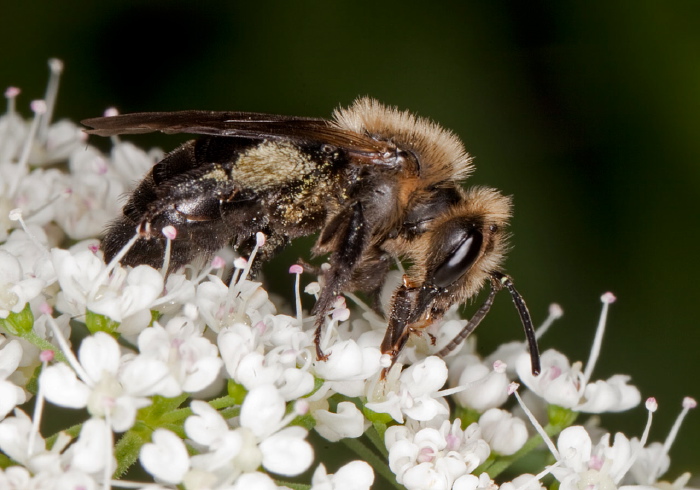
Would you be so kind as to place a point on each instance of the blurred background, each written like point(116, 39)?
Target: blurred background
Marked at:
point(587, 113)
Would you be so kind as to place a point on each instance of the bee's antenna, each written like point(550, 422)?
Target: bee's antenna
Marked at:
point(507, 282)
point(472, 323)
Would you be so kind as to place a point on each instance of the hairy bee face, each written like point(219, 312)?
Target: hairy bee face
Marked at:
point(376, 183)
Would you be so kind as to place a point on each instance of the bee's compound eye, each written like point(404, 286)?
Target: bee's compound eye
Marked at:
point(459, 260)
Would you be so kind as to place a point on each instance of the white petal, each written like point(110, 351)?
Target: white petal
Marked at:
point(123, 413)
point(143, 377)
point(10, 268)
point(356, 475)
point(255, 480)
point(14, 437)
point(466, 482)
point(10, 355)
point(426, 408)
point(613, 395)
point(575, 447)
point(62, 387)
point(485, 388)
point(144, 285)
point(296, 383)
point(92, 451)
point(287, 453)
point(206, 425)
point(504, 433)
point(262, 410)
point(166, 457)
point(347, 422)
point(344, 362)
point(425, 377)
point(424, 476)
point(99, 353)
point(254, 371)
point(10, 396)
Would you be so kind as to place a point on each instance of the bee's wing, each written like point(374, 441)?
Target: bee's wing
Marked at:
point(241, 124)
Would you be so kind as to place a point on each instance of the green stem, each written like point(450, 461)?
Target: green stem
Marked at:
point(127, 449)
point(222, 402)
point(378, 440)
point(293, 486)
point(5, 461)
point(44, 344)
point(378, 464)
point(225, 402)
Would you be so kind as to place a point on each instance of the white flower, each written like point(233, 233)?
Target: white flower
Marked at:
point(94, 197)
point(127, 294)
point(582, 463)
point(32, 253)
point(77, 273)
point(416, 393)
point(434, 458)
point(220, 306)
point(484, 386)
point(261, 439)
point(504, 433)
point(166, 457)
point(473, 482)
point(87, 457)
point(11, 395)
point(355, 475)
point(191, 360)
point(109, 385)
point(568, 386)
point(347, 422)
point(16, 289)
point(562, 384)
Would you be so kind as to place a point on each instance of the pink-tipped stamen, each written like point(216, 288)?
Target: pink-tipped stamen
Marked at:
point(39, 108)
point(56, 67)
point(651, 406)
point(16, 215)
point(607, 298)
point(259, 242)
point(11, 95)
point(170, 233)
point(688, 404)
point(297, 270)
point(555, 313)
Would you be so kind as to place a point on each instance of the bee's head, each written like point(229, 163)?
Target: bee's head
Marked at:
point(467, 242)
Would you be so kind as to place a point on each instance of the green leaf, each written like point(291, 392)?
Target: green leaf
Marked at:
point(236, 391)
point(99, 323)
point(372, 416)
point(19, 324)
point(560, 417)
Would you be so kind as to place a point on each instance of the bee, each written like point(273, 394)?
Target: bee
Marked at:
point(376, 184)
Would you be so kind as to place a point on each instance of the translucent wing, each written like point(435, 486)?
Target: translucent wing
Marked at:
point(245, 125)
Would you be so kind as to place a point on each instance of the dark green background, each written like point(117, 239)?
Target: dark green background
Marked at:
point(588, 113)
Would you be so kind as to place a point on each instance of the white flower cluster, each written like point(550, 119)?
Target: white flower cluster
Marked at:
point(202, 381)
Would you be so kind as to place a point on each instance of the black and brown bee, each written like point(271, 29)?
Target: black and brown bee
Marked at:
point(376, 183)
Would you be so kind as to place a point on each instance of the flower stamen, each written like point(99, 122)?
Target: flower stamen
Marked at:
point(607, 298)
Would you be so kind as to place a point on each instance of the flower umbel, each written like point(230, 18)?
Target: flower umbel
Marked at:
point(212, 383)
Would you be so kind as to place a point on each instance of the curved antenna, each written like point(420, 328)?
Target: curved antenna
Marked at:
point(472, 323)
point(507, 282)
